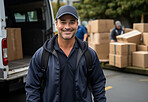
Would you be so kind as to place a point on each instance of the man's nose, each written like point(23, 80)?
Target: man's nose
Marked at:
point(67, 25)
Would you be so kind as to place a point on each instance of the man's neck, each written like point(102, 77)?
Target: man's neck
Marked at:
point(66, 45)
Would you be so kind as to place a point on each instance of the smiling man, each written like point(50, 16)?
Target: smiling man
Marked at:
point(66, 73)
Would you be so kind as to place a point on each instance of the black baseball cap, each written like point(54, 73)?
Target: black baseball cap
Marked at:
point(66, 9)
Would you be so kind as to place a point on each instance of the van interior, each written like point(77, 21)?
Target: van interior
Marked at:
point(30, 16)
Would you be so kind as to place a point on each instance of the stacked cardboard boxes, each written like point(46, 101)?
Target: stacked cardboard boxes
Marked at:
point(142, 27)
point(14, 44)
point(121, 54)
point(100, 36)
point(142, 48)
point(128, 51)
point(126, 30)
point(144, 45)
point(102, 50)
point(102, 25)
point(130, 37)
point(145, 38)
point(140, 57)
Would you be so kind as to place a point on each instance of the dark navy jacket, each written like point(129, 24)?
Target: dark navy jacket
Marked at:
point(52, 88)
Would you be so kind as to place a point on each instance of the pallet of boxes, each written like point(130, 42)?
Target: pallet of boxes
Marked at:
point(131, 48)
point(99, 32)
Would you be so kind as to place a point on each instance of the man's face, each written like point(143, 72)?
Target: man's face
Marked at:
point(118, 27)
point(67, 26)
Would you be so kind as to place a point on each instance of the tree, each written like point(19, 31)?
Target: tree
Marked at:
point(128, 8)
point(56, 6)
point(116, 9)
point(92, 9)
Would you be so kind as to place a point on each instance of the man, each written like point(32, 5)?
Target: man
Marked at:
point(117, 30)
point(81, 33)
point(66, 79)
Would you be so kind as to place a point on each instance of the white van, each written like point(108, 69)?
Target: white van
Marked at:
point(36, 21)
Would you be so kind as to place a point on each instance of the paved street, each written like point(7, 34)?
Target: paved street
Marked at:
point(126, 87)
point(120, 87)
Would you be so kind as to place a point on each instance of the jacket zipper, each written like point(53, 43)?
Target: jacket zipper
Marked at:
point(75, 78)
point(59, 82)
point(74, 86)
point(59, 78)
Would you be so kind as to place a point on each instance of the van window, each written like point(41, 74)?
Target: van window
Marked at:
point(19, 17)
point(30, 16)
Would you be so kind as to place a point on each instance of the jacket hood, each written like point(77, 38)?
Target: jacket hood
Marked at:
point(49, 44)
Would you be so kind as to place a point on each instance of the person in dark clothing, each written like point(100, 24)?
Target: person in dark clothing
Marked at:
point(117, 30)
point(66, 79)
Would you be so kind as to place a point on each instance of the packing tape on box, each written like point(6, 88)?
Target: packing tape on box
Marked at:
point(128, 55)
point(114, 49)
point(115, 55)
point(114, 60)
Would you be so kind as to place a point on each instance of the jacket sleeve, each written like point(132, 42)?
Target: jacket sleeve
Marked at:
point(112, 34)
point(33, 79)
point(98, 79)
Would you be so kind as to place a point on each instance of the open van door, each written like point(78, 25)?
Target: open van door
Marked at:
point(2, 20)
point(31, 22)
point(3, 43)
point(49, 18)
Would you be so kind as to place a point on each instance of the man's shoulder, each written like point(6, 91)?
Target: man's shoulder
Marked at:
point(93, 53)
point(38, 53)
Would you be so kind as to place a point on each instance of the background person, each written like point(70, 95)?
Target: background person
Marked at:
point(117, 30)
point(81, 33)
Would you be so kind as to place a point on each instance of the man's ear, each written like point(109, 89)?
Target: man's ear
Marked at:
point(77, 23)
point(56, 22)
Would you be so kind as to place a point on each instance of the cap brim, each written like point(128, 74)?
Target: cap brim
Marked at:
point(67, 13)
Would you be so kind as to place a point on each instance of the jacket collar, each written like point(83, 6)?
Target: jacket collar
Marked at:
point(49, 44)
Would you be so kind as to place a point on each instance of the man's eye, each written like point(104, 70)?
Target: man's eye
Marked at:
point(63, 22)
point(72, 22)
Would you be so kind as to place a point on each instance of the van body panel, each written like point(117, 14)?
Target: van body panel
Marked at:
point(2, 16)
point(36, 20)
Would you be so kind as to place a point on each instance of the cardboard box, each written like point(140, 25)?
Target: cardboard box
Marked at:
point(102, 25)
point(145, 38)
point(140, 59)
point(14, 44)
point(100, 38)
point(130, 37)
point(102, 50)
point(122, 48)
point(142, 48)
point(126, 30)
point(142, 27)
point(120, 60)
